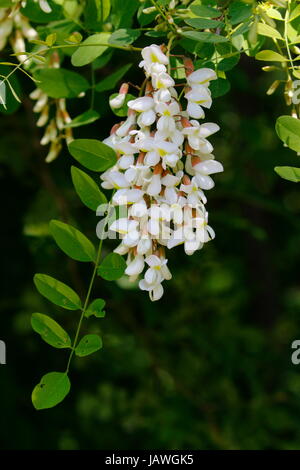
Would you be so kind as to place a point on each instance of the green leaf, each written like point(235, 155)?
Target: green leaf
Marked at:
point(204, 37)
point(86, 188)
point(266, 30)
point(84, 119)
point(92, 154)
point(61, 83)
point(50, 331)
point(103, 7)
point(270, 56)
point(33, 12)
point(111, 81)
point(124, 12)
point(90, 49)
point(219, 87)
point(72, 242)
point(203, 23)
point(57, 292)
point(205, 11)
point(88, 345)
point(239, 12)
point(124, 36)
point(112, 267)
point(51, 390)
point(122, 112)
point(228, 63)
point(288, 173)
point(288, 130)
point(96, 309)
point(295, 13)
point(50, 39)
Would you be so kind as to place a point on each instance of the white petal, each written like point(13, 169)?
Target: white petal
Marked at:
point(157, 292)
point(194, 110)
point(209, 167)
point(136, 266)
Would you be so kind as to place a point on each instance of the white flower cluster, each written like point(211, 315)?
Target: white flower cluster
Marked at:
point(56, 130)
point(164, 164)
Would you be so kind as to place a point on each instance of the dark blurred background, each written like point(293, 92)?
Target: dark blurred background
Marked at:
point(208, 366)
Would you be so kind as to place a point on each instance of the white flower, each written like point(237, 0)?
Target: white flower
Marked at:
point(143, 105)
point(196, 135)
point(205, 168)
point(114, 179)
point(197, 97)
point(153, 56)
point(135, 266)
point(194, 194)
point(118, 101)
point(170, 182)
point(166, 123)
point(201, 77)
point(162, 80)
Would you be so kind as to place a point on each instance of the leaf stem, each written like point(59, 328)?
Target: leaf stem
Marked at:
point(89, 291)
point(286, 19)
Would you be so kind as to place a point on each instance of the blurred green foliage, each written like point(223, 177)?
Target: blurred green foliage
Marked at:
point(208, 366)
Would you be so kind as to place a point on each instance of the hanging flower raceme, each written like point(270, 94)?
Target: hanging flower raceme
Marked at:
point(15, 28)
point(164, 163)
point(54, 115)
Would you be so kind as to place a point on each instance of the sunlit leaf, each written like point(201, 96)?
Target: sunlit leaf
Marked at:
point(288, 173)
point(50, 331)
point(51, 390)
point(90, 49)
point(288, 130)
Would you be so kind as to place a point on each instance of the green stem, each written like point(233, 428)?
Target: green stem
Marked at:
point(89, 291)
point(286, 19)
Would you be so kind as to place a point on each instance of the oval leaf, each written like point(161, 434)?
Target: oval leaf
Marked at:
point(72, 242)
point(57, 292)
point(96, 309)
point(266, 30)
point(288, 130)
point(270, 56)
point(112, 267)
point(124, 36)
point(288, 173)
point(92, 154)
point(61, 83)
point(87, 190)
point(203, 23)
point(88, 344)
point(51, 390)
point(50, 331)
point(204, 37)
point(90, 49)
